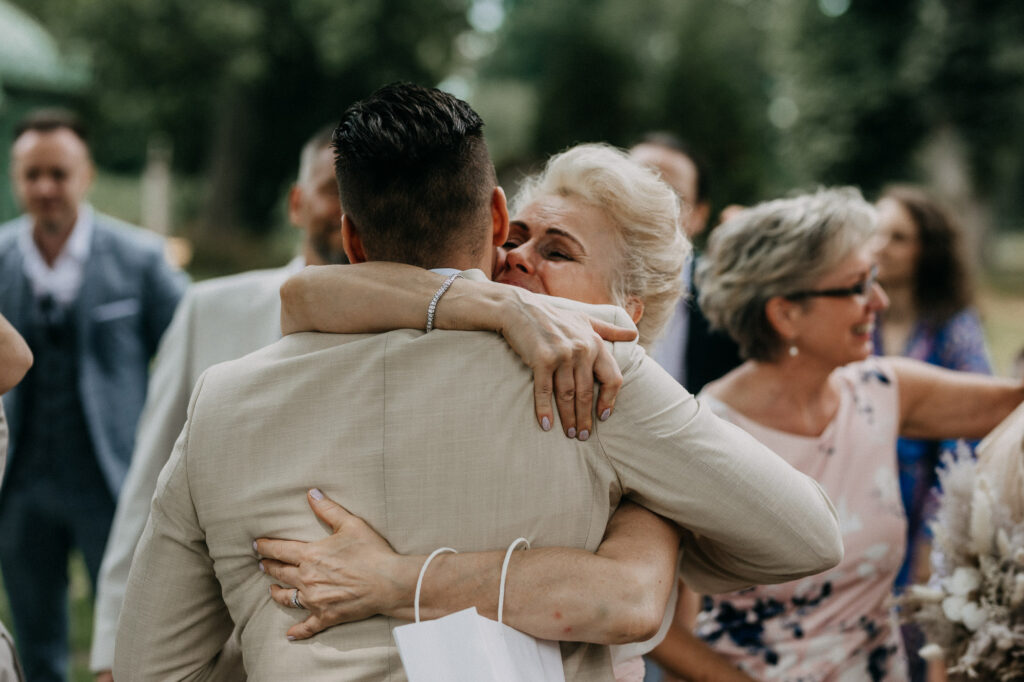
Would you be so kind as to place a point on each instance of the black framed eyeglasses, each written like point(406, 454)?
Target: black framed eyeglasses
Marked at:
point(862, 288)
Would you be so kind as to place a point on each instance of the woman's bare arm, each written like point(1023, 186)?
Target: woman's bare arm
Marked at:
point(614, 596)
point(346, 299)
point(563, 348)
point(937, 403)
point(15, 356)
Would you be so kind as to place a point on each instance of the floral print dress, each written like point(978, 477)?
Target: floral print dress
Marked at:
point(958, 344)
point(837, 626)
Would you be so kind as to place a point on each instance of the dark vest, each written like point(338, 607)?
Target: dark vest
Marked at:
point(54, 448)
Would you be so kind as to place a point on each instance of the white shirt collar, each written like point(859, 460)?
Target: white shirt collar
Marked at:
point(64, 280)
point(446, 271)
point(295, 265)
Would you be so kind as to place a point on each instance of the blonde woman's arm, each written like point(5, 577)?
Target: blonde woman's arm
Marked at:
point(564, 348)
point(613, 596)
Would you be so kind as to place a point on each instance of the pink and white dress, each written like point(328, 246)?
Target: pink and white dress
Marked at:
point(838, 626)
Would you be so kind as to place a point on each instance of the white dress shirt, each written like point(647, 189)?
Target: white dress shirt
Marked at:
point(670, 350)
point(63, 281)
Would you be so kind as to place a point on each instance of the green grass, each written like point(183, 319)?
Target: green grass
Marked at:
point(1002, 311)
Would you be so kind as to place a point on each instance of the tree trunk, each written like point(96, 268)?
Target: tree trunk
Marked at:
point(229, 156)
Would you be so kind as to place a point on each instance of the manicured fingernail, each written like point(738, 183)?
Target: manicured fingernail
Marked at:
point(254, 547)
point(584, 434)
point(262, 568)
point(316, 494)
point(291, 638)
point(571, 432)
point(545, 423)
point(607, 413)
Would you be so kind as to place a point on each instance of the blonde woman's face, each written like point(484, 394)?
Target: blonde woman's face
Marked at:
point(561, 246)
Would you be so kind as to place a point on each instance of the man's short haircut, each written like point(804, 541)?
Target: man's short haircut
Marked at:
point(48, 120)
point(321, 140)
point(415, 174)
point(663, 138)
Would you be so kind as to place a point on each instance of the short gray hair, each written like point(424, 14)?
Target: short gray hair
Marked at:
point(310, 150)
point(774, 249)
point(644, 210)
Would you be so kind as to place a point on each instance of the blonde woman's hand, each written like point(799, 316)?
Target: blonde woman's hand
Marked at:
point(568, 356)
point(350, 575)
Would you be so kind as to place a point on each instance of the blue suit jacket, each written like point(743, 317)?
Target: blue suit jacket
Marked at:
point(127, 299)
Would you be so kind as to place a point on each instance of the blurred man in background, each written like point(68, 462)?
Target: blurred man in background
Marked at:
point(689, 350)
point(218, 320)
point(92, 297)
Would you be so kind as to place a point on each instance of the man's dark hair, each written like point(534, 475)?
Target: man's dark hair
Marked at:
point(662, 138)
point(48, 120)
point(414, 173)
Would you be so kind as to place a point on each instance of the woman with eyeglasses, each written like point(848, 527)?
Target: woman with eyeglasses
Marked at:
point(794, 282)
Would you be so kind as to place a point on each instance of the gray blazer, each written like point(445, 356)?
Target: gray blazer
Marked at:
point(128, 296)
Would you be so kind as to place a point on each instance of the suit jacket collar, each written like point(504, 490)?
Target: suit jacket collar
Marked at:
point(475, 274)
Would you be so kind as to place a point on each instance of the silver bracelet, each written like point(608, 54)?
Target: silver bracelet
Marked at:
point(432, 308)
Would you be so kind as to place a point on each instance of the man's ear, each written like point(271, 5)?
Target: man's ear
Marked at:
point(351, 241)
point(295, 206)
point(92, 171)
point(499, 216)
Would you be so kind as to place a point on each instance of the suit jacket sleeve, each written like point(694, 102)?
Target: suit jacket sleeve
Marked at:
point(162, 419)
point(165, 286)
point(174, 624)
point(749, 517)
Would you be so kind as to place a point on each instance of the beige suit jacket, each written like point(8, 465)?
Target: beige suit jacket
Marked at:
point(432, 439)
point(217, 320)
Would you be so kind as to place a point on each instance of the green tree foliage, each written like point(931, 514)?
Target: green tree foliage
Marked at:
point(238, 85)
point(776, 93)
point(874, 80)
point(609, 70)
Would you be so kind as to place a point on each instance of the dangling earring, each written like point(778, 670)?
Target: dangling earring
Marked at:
point(793, 350)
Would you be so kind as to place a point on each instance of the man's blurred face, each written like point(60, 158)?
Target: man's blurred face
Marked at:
point(316, 209)
point(52, 173)
point(680, 173)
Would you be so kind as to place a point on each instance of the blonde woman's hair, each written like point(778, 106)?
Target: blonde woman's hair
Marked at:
point(774, 249)
point(645, 212)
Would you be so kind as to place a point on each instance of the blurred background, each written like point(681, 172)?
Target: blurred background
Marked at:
point(198, 108)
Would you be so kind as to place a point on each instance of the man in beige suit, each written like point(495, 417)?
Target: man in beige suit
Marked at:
point(431, 438)
point(218, 320)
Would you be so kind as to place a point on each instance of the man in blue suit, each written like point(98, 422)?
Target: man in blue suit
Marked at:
point(92, 296)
